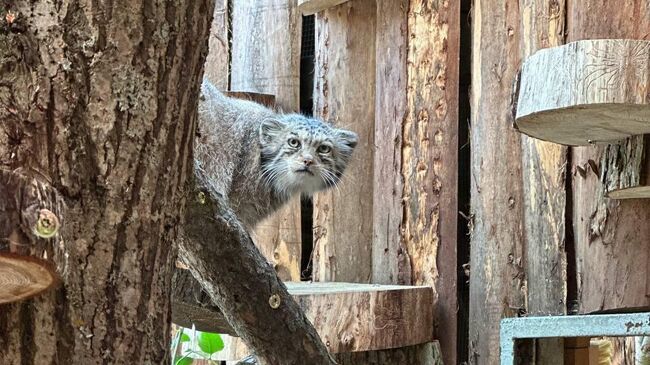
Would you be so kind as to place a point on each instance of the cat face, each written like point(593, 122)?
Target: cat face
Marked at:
point(303, 155)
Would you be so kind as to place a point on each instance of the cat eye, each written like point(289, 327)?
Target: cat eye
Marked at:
point(324, 149)
point(293, 142)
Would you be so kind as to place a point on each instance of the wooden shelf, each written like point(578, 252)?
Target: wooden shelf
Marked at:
point(22, 277)
point(637, 192)
point(348, 317)
point(586, 91)
point(308, 7)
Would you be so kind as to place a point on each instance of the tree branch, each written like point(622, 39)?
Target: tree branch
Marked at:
point(239, 280)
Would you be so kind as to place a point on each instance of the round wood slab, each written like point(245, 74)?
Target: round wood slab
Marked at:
point(637, 192)
point(586, 91)
point(22, 277)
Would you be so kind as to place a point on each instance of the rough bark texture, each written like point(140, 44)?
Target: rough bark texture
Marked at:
point(101, 99)
point(266, 59)
point(344, 96)
point(611, 237)
point(497, 280)
point(240, 281)
point(544, 168)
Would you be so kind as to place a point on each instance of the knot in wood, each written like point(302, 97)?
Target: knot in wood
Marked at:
point(274, 301)
point(201, 197)
point(47, 224)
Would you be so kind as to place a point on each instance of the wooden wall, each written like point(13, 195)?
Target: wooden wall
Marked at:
point(543, 233)
point(389, 70)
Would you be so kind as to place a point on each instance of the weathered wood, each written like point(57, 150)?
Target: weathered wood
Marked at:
point(217, 67)
point(31, 212)
point(344, 96)
point(266, 59)
point(238, 279)
point(595, 93)
point(629, 180)
point(101, 98)
point(497, 280)
point(544, 167)
point(358, 317)
point(308, 7)
point(264, 99)
point(611, 237)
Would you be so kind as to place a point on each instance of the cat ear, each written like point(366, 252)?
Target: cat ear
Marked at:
point(348, 138)
point(269, 129)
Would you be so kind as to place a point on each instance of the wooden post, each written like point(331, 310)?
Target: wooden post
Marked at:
point(611, 236)
point(544, 167)
point(217, 69)
point(497, 279)
point(266, 59)
point(416, 154)
point(344, 96)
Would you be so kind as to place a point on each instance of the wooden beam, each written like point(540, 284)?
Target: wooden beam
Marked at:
point(595, 93)
point(308, 7)
point(544, 170)
point(344, 95)
point(266, 38)
point(355, 317)
point(607, 230)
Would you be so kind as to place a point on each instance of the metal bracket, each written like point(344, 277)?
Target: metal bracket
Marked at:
point(595, 325)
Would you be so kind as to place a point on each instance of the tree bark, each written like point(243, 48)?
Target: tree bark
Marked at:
point(221, 255)
point(101, 99)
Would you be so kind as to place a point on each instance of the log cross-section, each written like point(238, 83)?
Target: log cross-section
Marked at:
point(30, 216)
point(308, 7)
point(596, 92)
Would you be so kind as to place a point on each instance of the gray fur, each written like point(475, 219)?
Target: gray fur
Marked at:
point(250, 153)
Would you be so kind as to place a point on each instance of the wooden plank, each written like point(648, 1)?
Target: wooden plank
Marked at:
point(308, 7)
point(266, 59)
point(497, 280)
point(544, 167)
point(608, 231)
point(596, 93)
point(392, 262)
point(344, 95)
point(217, 69)
point(353, 317)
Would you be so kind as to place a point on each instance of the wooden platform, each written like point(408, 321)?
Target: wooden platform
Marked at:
point(585, 92)
point(638, 192)
point(350, 317)
point(308, 7)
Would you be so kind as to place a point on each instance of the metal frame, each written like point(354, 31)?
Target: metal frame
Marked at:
point(595, 325)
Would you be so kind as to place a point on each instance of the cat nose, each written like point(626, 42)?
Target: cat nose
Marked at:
point(308, 160)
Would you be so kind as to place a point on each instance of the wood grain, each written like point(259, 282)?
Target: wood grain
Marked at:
point(611, 236)
point(358, 317)
point(217, 67)
point(544, 169)
point(266, 59)
point(596, 92)
point(497, 279)
point(344, 95)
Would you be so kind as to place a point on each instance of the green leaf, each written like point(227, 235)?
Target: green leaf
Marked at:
point(183, 361)
point(185, 337)
point(210, 342)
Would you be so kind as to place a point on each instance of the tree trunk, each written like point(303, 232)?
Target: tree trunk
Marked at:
point(101, 99)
